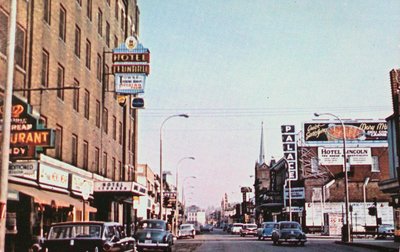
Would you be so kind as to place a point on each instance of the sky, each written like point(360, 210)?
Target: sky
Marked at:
point(232, 65)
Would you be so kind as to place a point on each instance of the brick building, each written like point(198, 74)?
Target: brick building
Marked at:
point(62, 74)
point(321, 162)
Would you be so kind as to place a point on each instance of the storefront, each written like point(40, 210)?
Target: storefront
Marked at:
point(42, 192)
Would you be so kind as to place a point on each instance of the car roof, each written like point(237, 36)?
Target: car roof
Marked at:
point(102, 223)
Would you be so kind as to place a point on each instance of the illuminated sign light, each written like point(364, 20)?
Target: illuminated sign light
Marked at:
point(34, 137)
point(131, 57)
point(131, 69)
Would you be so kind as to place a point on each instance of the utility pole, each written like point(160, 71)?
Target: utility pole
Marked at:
point(5, 145)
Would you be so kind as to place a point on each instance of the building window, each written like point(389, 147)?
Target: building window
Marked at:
point(115, 41)
point(88, 53)
point(116, 9)
point(108, 2)
point(108, 30)
point(89, 9)
point(47, 11)
point(85, 163)
point(87, 104)
point(114, 128)
point(60, 82)
point(104, 172)
point(96, 159)
point(129, 139)
point(122, 19)
point(314, 165)
point(3, 32)
point(105, 120)
point(20, 47)
point(98, 114)
point(63, 21)
point(99, 68)
point(375, 164)
point(121, 177)
point(45, 68)
point(74, 150)
point(58, 141)
point(107, 79)
point(114, 168)
point(100, 23)
point(75, 92)
point(77, 41)
point(79, 2)
point(120, 133)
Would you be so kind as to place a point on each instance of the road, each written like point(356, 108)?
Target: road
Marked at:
point(221, 241)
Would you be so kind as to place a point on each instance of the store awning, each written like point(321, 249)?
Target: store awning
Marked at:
point(50, 198)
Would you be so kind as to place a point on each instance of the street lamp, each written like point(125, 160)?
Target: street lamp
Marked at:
point(161, 170)
point(176, 204)
point(346, 179)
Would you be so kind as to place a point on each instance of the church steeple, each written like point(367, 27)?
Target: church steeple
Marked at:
point(261, 159)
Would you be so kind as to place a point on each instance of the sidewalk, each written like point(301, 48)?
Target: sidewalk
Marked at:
point(381, 245)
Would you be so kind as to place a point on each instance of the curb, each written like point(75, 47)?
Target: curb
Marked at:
point(364, 245)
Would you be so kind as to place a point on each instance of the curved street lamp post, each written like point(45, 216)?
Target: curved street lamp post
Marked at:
point(345, 237)
point(177, 197)
point(161, 170)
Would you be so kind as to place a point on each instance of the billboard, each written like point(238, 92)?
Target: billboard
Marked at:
point(356, 132)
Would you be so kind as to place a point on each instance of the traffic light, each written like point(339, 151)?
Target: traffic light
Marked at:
point(372, 210)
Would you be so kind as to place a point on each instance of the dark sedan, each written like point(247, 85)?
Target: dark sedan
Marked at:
point(154, 234)
point(288, 231)
point(87, 236)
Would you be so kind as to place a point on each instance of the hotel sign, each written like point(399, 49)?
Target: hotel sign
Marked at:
point(334, 156)
point(130, 67)
point(119, 186)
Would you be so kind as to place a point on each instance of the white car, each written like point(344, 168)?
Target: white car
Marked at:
point(186, 230)
point(236, 228)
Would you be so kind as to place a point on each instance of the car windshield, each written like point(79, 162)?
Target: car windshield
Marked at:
point(75, 231)
point(289, 226)
point(152, 225)
point(269, 225)
point(186, 227)
point(251, 226)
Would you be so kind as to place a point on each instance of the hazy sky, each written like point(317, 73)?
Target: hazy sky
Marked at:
point(232, 64)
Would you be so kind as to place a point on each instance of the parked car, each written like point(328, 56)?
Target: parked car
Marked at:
point(385, 230)
point(186, 230)
point(236, 227)
point(87, 236)
point(288, 231)
point(207, 228)
point(248, 229)
point(229, 228)
point(153, 234)
point(265, 230)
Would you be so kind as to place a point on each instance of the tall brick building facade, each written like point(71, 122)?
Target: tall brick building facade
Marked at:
point(62, 71)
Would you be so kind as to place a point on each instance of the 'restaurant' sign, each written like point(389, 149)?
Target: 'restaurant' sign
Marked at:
point(130, 67)
point(355, 131)
point(26, 132)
